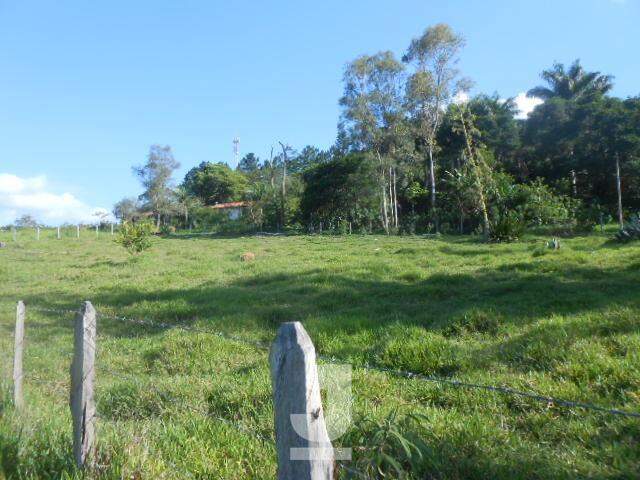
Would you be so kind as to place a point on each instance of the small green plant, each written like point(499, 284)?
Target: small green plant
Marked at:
point(135, 237)
point(391, 447)
point(631, 230)
point(167, 230)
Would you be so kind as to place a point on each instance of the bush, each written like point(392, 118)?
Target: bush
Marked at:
point(631, 230)
point(588, 216)
point(506, 227)
point(135, 237)
point(167, 230)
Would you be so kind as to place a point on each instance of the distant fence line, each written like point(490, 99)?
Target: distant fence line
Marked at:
point(76, 229)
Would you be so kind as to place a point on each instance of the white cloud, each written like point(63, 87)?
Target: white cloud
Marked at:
point(461, 97)
point(19, 196)
point(526, 104)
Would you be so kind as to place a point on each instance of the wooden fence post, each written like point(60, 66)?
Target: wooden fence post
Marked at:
point(17, 357)
point(58, 233)
point(302, 441)
point(77, 231)
point(37, 233)
point(83, 409)
point(112, 229)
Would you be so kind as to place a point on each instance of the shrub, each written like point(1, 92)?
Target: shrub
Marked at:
point(392, 447)
point(135, 237)
point(631, 230)
point(167, 230)
point(539, 205)
point(588, 216)
point(506, 227)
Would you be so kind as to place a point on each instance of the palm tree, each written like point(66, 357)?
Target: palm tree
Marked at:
point(185, 203)
point(573, 83)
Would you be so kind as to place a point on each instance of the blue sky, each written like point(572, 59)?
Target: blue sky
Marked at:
point(86, 87)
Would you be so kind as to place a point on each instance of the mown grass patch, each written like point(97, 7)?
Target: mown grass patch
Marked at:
point(565, 323)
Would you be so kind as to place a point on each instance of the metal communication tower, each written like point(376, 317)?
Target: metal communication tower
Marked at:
point(236, 149)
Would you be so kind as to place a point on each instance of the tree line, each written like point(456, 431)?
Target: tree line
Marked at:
point(414, 153)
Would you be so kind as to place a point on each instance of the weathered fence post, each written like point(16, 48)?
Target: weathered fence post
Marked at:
point(58, 232)
point(37, 233)
point(302, 441)
point(17, 356)
point(97, 226)
point(83, 409)
point(77, 231)
point(112, 229)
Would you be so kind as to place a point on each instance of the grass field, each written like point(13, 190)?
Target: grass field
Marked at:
point(561, 323)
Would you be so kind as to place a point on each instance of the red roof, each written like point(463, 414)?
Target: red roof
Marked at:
point(230, 205)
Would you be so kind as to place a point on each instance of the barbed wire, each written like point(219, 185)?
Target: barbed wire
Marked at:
point(549, 400)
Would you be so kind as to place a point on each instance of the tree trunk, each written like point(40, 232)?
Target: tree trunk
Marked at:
point(478, 179)
point(284, 187)
point(432, 181)
point(385, 215)
point(391, 199)
point(619, 188)
point(574, 183)
point(395, 198)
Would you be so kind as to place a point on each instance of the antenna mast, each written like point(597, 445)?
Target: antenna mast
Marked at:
point(236, 150)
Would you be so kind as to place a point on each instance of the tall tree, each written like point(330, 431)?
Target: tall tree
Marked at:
point(479, 169)
point(249, 163)
point(573, 83)
point(430, 88)
point(26, 221)
point(372, 108)
point(215, 183)
point(186, 203)
point(552, 131)
point(155, 176)
point(609, 148)
point(286, 151)
point(126, 209)
point(307, 158)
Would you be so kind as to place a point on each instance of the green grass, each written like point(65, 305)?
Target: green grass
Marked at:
point(561, 323)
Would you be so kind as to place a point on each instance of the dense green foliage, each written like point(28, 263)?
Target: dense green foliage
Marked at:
point(134, 237)
point(412, 155)
point(215, 183)
point(558, 322)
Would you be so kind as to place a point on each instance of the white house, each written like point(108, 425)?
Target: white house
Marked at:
point(234, 210)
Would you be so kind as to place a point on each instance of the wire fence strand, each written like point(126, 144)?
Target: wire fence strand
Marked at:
point(549, 400)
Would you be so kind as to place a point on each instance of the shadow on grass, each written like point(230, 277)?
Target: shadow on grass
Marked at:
point(336, 304)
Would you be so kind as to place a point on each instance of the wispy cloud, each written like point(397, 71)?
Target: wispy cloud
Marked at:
point(526, 104)
point(32, 196)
